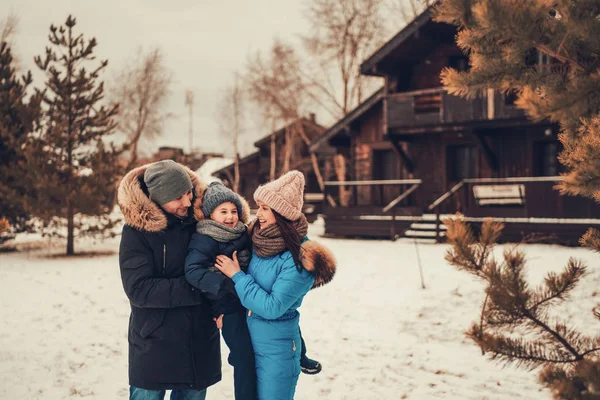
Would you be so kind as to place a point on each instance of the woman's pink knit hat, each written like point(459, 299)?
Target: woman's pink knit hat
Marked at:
point(284, 195)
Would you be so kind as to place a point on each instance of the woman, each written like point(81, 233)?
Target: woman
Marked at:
point(285, 265)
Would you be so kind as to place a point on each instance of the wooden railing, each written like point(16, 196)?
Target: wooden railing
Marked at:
point(436, 106)
point(405, 188)
point(515, 197)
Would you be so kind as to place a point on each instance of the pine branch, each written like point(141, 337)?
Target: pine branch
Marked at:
point(557, 287)
point(532, 354)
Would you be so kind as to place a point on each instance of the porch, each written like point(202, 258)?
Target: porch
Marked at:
point(530, 208)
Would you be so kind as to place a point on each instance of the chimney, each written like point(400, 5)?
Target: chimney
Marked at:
point(312, 117)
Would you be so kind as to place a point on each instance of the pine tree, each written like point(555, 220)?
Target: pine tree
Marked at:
point(548, 53)
point(74, 168)
point(17, 118)
point(516, 323)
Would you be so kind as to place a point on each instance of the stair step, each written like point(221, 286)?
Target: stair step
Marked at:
point(426, 226)
point(421, 240)
point(423, 234)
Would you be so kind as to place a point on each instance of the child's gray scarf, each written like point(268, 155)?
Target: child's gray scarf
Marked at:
point(220, 232)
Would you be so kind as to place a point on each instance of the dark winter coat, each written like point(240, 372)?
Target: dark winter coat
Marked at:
point(202, 274)
point(173, 341)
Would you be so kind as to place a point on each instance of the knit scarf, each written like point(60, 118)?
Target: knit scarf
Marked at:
point(219, 232)
point(269, 241)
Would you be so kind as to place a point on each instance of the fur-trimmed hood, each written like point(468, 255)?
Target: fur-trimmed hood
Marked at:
point(144, 214)
point(319, 260)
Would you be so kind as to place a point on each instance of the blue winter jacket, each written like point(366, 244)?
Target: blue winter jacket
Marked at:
point(273, 286)
point(272, 290)
point(201, 273)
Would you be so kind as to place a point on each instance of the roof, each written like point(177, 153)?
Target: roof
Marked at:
point(345, 122)
point(243, 160)
point(206, 171)
point(410, 32)
point(307, 122)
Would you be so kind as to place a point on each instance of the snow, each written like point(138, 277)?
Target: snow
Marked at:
point(378, 334)
point(529, 220)
point(210, 166)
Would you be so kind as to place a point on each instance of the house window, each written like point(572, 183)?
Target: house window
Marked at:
point(510, 98)
point(459, 63)
point(546, 159)
point(536, 58)
point(385, 165)
point(461, 162)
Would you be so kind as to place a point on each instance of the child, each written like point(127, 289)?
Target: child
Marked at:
point(223, 232)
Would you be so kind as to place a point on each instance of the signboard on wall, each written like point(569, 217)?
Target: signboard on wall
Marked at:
point(505, 194)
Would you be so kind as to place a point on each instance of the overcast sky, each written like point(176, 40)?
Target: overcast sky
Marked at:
point(204, 42)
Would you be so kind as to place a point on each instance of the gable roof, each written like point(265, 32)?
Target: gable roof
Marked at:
point(308, 124)
point(414, 42)
point(243, 160)
point(345, 122)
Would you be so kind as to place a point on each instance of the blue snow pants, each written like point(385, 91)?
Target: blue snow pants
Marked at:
point(277, 346)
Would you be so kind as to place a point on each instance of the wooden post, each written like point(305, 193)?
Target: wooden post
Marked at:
point(437, 225)
point(393, 230)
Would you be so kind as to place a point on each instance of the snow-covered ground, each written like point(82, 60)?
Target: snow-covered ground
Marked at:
point(379, 335)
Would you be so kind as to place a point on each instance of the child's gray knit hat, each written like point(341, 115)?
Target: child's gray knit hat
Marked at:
point(217, 194)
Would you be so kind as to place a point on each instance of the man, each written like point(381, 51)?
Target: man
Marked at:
point(173, 342)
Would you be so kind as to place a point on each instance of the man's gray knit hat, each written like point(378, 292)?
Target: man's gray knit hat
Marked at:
point(166, 181)
point(216, 194)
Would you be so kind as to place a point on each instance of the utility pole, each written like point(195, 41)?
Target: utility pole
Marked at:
point(189, 102)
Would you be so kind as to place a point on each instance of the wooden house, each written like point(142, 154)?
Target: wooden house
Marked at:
point(416, 152)
point(255, 168)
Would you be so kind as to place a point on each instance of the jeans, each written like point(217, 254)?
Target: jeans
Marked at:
point(144, 394)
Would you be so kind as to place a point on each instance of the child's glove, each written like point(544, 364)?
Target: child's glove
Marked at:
point(244, 257)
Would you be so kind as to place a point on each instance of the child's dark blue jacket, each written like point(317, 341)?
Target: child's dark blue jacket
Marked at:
point(200, 270)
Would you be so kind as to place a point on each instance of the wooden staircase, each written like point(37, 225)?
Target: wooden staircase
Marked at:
point(424, 230)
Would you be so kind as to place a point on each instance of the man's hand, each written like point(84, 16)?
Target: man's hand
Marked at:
point(219, 321)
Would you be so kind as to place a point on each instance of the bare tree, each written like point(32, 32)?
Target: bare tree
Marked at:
point(231, 112)
point(279, 88)
point(404, 11)
point(343, 34)
point(276, 87)
point(142, 89)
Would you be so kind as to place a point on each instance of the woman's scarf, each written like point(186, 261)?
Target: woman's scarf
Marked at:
point(269, 241)
point(220, 232)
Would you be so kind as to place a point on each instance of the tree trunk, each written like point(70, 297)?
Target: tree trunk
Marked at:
point(288, 150)
point(315, 163)
point(236, 135)
point(236, 172)
point(273, 159)
point(70, 229)
point(340, 171)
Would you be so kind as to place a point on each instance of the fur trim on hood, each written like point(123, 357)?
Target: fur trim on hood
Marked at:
point(318, 260)
point(315, 258)
point(143, 214)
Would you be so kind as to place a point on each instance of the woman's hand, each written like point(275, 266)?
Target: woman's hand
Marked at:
point(228, 266)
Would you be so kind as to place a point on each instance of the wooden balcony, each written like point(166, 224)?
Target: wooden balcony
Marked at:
point(437, 107)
